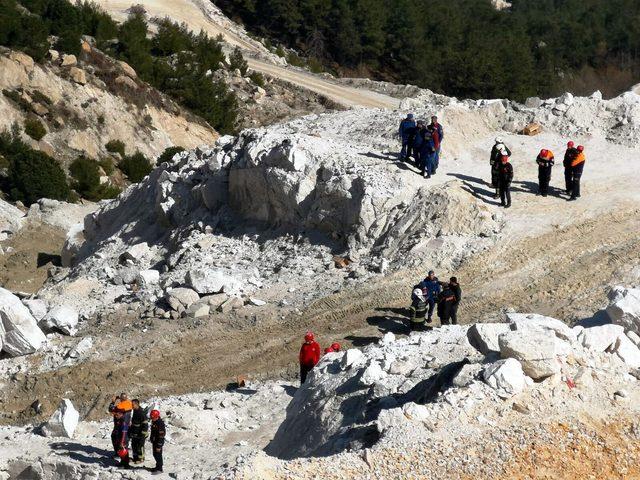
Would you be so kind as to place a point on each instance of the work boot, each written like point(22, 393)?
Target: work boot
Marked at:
point(508, 205)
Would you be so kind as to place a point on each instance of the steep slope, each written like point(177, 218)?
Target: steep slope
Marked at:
point(86, 103)
point(203, 15)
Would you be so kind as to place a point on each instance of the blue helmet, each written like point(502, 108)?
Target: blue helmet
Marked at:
point(410, 116)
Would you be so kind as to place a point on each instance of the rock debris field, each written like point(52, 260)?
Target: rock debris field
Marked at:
point(261, 232)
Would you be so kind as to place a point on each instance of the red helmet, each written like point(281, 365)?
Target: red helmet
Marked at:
point(335, 346)
point(329, 350)
point(155, 414)
point(123, 452)
point(309, 337)
point(544, 153)
point(570, 144)
point(504, 159)
point(580, 148)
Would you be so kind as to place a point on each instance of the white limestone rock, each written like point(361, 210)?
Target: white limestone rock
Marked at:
point(506, 377)
point(148, 278)
point(181, 297)
point(20, 331)
point(372, 374)
point(521, 321)
point(37, 307)
point(627, 351)
point(136, 252)
point(600, 338)
point(208, 281)
point(64, 420)
point(484, 336)
point(63, 319)
point(535, 349)
point(624, 307)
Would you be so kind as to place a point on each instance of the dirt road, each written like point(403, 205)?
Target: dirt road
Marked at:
point(200, 15)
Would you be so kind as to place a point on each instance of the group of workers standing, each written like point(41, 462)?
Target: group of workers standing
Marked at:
point(502, 170)
point(131, 425)
point(433, 295)
point(422, 142)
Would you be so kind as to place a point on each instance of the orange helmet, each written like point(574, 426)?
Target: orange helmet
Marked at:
point(335, 346)
point(570, 144)
point(309, 337)
point(544, 153)
point(155, 414)
point(580, 148)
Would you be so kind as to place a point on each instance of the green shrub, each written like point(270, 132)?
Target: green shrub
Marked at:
point(40, 97)
point(107, 166)
point(116, 146)
point(136, 167)
point(281, 52)
point(86, 175)
point(237, 61)
point(15, 96)
point(168, 154)
point(258, 79)
point(34, 175)
point(106, 191)
point(34, 128)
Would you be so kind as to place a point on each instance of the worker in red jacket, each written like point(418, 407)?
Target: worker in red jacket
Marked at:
point(309, 355)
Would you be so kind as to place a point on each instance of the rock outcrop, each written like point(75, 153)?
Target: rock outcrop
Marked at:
point(18, 329)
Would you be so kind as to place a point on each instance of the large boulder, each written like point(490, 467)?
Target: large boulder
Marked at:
point(209, 281)
point(148, 278)
point(520, 321)
point(506, 377)
point(62, 319)
point(37, 307)
point(624, 307)
point(63, 422)
point(181, 297)
point(536, 350)
point(600, 338)
point(136, 252)
point(20, 331)
point(484, 336)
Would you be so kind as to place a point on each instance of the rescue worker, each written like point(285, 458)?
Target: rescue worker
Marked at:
point(497, 152)
point(418, 139)
point(120, 404)
point(545, 163)
point(427, 152)
point(309, 355)
point(122, 438)
point(446, 301)
point(430, 289)
point(138, 431)
point(505, 176)
point(114, 432)
point(577, 166)
point(569, 155)
point(334, 347)
point(404, 133)
point(418, 309)
point(158, 432)
point(437, 139)
point(457, 291)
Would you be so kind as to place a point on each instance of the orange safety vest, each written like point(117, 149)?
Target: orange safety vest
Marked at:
point(578, 159)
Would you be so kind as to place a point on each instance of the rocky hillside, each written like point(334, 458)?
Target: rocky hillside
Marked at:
point(83, 103)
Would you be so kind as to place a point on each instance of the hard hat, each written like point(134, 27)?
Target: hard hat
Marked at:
point(335, 346)
point(309, 337)
point(504, 159)
point(570, 144)
point(544, 153)
point(123, 452)
point(155, 414)
point(410, 115)
point(499, 140)
point(580, 148)
point(329, 350)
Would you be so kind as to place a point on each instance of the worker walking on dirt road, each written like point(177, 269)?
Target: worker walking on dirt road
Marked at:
point(446, 302)
point(158, 433)
point(138, 431)
point(545, 163)
point(577, 166)
point(498, 151)
point(309, 355)
point(569, 155)
point(454, 286)
point(505, 177)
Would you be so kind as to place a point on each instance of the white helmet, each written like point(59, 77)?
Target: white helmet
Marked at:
point(499, 140)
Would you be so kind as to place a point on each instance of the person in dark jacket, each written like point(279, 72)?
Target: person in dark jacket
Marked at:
point(138, 431)
point(505, 176)
point(427, 153)
point(309, 355)
point(430, 289)
point(120, 407)
point(418, 140)
point(569, 155)
point(457, 291)
point(497, 152)
point(446, 301)
point(545, 163)
point(418, 309)
point(122, 439)
point(403, 132)
point(437, 127)
point(158, 432)
point(577, 167)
